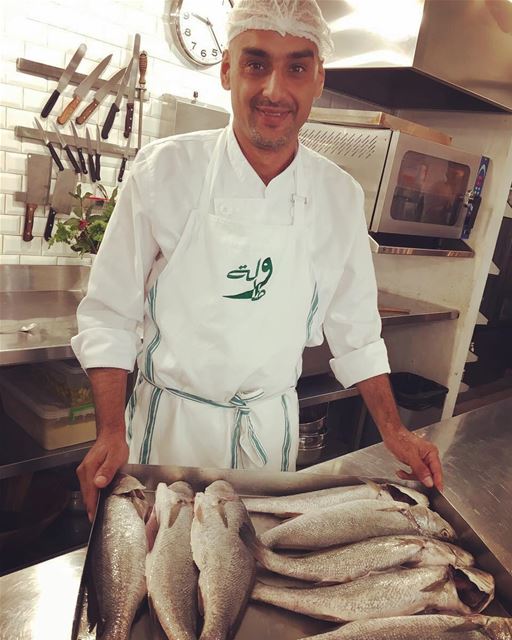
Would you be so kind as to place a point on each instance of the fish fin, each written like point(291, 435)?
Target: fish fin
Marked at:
point(467, 625)
point(374, 485)
point(437, 585)
point(200, 601)
point(152, 527)
point(140, 504)
point(174, 513)
point(251, 541)
point(222, 512)
point(392, 509)
point(289, 515)
point(198, 514)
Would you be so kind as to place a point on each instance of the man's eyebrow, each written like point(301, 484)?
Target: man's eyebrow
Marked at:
point(254, 51)
point(261, 53)
point(305, 53)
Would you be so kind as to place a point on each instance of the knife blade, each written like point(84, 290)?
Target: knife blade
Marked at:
point(114, 107)
point(90, 156)
point(83, 89)
point(124, 160)
point(130, 103)
point(67, 149)
point(64, 79)
point(78, 146)
point(49, 144)
point(98, 154)
point(99, 96)
point(61, 201)
point(39, 169)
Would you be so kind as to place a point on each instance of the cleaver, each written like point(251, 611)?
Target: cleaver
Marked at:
point(38, 184)
point(61, 201)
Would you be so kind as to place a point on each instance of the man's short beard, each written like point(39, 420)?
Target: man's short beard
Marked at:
point(269, 144)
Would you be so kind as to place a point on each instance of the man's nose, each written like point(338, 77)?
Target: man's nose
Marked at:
point(275, 87)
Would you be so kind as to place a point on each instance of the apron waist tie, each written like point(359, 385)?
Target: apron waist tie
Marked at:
point(245, 440)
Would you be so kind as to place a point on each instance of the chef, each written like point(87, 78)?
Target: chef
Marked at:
point(229, 251)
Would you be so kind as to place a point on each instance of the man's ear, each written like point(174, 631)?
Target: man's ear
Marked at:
point(225, 68)
point(320, 80)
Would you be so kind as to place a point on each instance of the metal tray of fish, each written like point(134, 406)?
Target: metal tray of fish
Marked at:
point(262, 621)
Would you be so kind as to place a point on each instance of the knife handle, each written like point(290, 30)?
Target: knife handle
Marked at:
point(29, 221)
point(92, 168)
point(72, 159)
point(87, 112)
point(49, 223)
point(97, 166)
point(121, 170)
point(50, 104)
point(68, 111)
point(128, 121)
point(109, 120)
point(143, 66)
point(83, 165)
point(55, 156)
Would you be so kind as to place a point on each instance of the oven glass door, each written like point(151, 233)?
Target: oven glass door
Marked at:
point(429, 190)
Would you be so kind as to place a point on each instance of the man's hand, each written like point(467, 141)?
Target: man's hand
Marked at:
point(108, 454)
point(419, 454)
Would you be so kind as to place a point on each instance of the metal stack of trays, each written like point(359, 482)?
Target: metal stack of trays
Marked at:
point(312, 434)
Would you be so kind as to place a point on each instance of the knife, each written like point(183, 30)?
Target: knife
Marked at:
point(49, 144)
point(39, 169)
point(90, 156)
point(83, 89)
point(124, 160)
point(61, 201)
point(98, 154)
point(78, 146)
point(130, 104)
point(114, 108)
point(99, 96)
point(67, 149)
point(64, 79)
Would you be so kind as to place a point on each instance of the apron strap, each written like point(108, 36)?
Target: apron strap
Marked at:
point(245, 441)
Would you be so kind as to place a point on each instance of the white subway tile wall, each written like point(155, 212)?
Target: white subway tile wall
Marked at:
point(49, 32)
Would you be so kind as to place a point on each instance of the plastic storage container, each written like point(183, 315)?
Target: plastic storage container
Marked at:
point(65, 379)
point(42, 414)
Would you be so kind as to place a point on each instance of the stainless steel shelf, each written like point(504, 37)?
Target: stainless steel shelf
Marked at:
point(322, 388)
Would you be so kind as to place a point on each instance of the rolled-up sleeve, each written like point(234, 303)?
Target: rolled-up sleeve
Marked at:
point(110, 315)
point(352, 324)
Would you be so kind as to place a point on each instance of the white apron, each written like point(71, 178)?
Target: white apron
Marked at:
point(226, 324)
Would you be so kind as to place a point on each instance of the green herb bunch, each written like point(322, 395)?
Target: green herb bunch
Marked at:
point(83, 230)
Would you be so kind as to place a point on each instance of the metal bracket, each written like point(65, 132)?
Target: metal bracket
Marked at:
point(54, 73)
point(106, 148)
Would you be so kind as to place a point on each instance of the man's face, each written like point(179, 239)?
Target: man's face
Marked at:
point(273, 82)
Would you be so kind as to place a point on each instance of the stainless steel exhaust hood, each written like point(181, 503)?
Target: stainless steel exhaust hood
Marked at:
point(432, 54)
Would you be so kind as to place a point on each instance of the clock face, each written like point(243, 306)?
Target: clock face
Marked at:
point(199, 29)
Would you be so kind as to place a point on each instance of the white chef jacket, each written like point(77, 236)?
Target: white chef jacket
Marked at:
point(152, 210)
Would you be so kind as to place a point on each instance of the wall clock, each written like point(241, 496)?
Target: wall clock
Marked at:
point(198, 29)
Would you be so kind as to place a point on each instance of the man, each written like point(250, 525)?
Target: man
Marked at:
point(232, 250)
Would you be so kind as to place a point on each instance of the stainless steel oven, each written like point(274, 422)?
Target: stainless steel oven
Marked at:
point(413, 186)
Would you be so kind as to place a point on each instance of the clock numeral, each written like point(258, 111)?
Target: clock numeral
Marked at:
point(186, 15)
point(215, 53)
point(203, 53)
point(188, 32)
point(194, 45)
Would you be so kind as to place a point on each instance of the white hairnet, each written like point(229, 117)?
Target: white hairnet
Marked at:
point(301, 18)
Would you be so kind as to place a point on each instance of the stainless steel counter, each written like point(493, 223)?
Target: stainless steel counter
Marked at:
point(476, 449)
point(49, 296)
